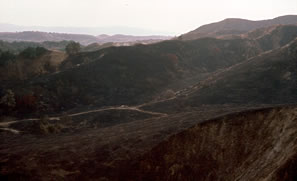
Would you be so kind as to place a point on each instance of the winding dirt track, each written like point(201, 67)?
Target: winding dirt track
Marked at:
point(4, 125)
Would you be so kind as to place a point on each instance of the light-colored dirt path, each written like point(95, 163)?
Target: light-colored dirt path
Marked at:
point(5, 125)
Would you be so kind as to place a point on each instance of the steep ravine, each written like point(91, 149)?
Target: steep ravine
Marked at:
point(254, 145)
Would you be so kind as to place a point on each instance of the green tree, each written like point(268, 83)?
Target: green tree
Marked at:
point(31, 52)
point(72, 48)
point(5, 57)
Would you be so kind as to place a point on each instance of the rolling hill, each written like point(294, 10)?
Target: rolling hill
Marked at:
point(133, 75)
point(137, 74)
point(233, 26)
point(268, 78)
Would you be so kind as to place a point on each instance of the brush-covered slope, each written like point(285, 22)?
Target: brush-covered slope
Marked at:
point(17, 47)
point(236, 26)
point(29, 64)
point(253, 145)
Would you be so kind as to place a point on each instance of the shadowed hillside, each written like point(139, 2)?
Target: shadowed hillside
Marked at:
point(268, 78)
point(275, 37)
point(138, 74)
point(133, 75)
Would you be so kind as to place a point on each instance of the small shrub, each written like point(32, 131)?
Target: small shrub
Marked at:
point(72, 48)
point(45, 127)
point(8, 100)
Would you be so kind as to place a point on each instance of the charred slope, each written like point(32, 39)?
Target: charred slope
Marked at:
point(269, 78)
point(133, 75)
point(253, 145)
point(273, 37)
point(137, 74)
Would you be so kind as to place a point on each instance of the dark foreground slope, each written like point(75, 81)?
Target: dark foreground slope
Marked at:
point(254, 145)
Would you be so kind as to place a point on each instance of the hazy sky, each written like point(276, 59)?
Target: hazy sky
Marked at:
point(172, 16)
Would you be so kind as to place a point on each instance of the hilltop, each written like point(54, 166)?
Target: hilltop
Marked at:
point(235, 26)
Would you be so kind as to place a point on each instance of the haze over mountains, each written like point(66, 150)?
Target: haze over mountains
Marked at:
point(83, 39)
point(217, 103)
point(112, 30)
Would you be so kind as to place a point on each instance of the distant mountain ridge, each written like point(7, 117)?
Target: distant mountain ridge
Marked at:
point(6, 27)
point(236, 26)
point(129, 38)
point(37, 36)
